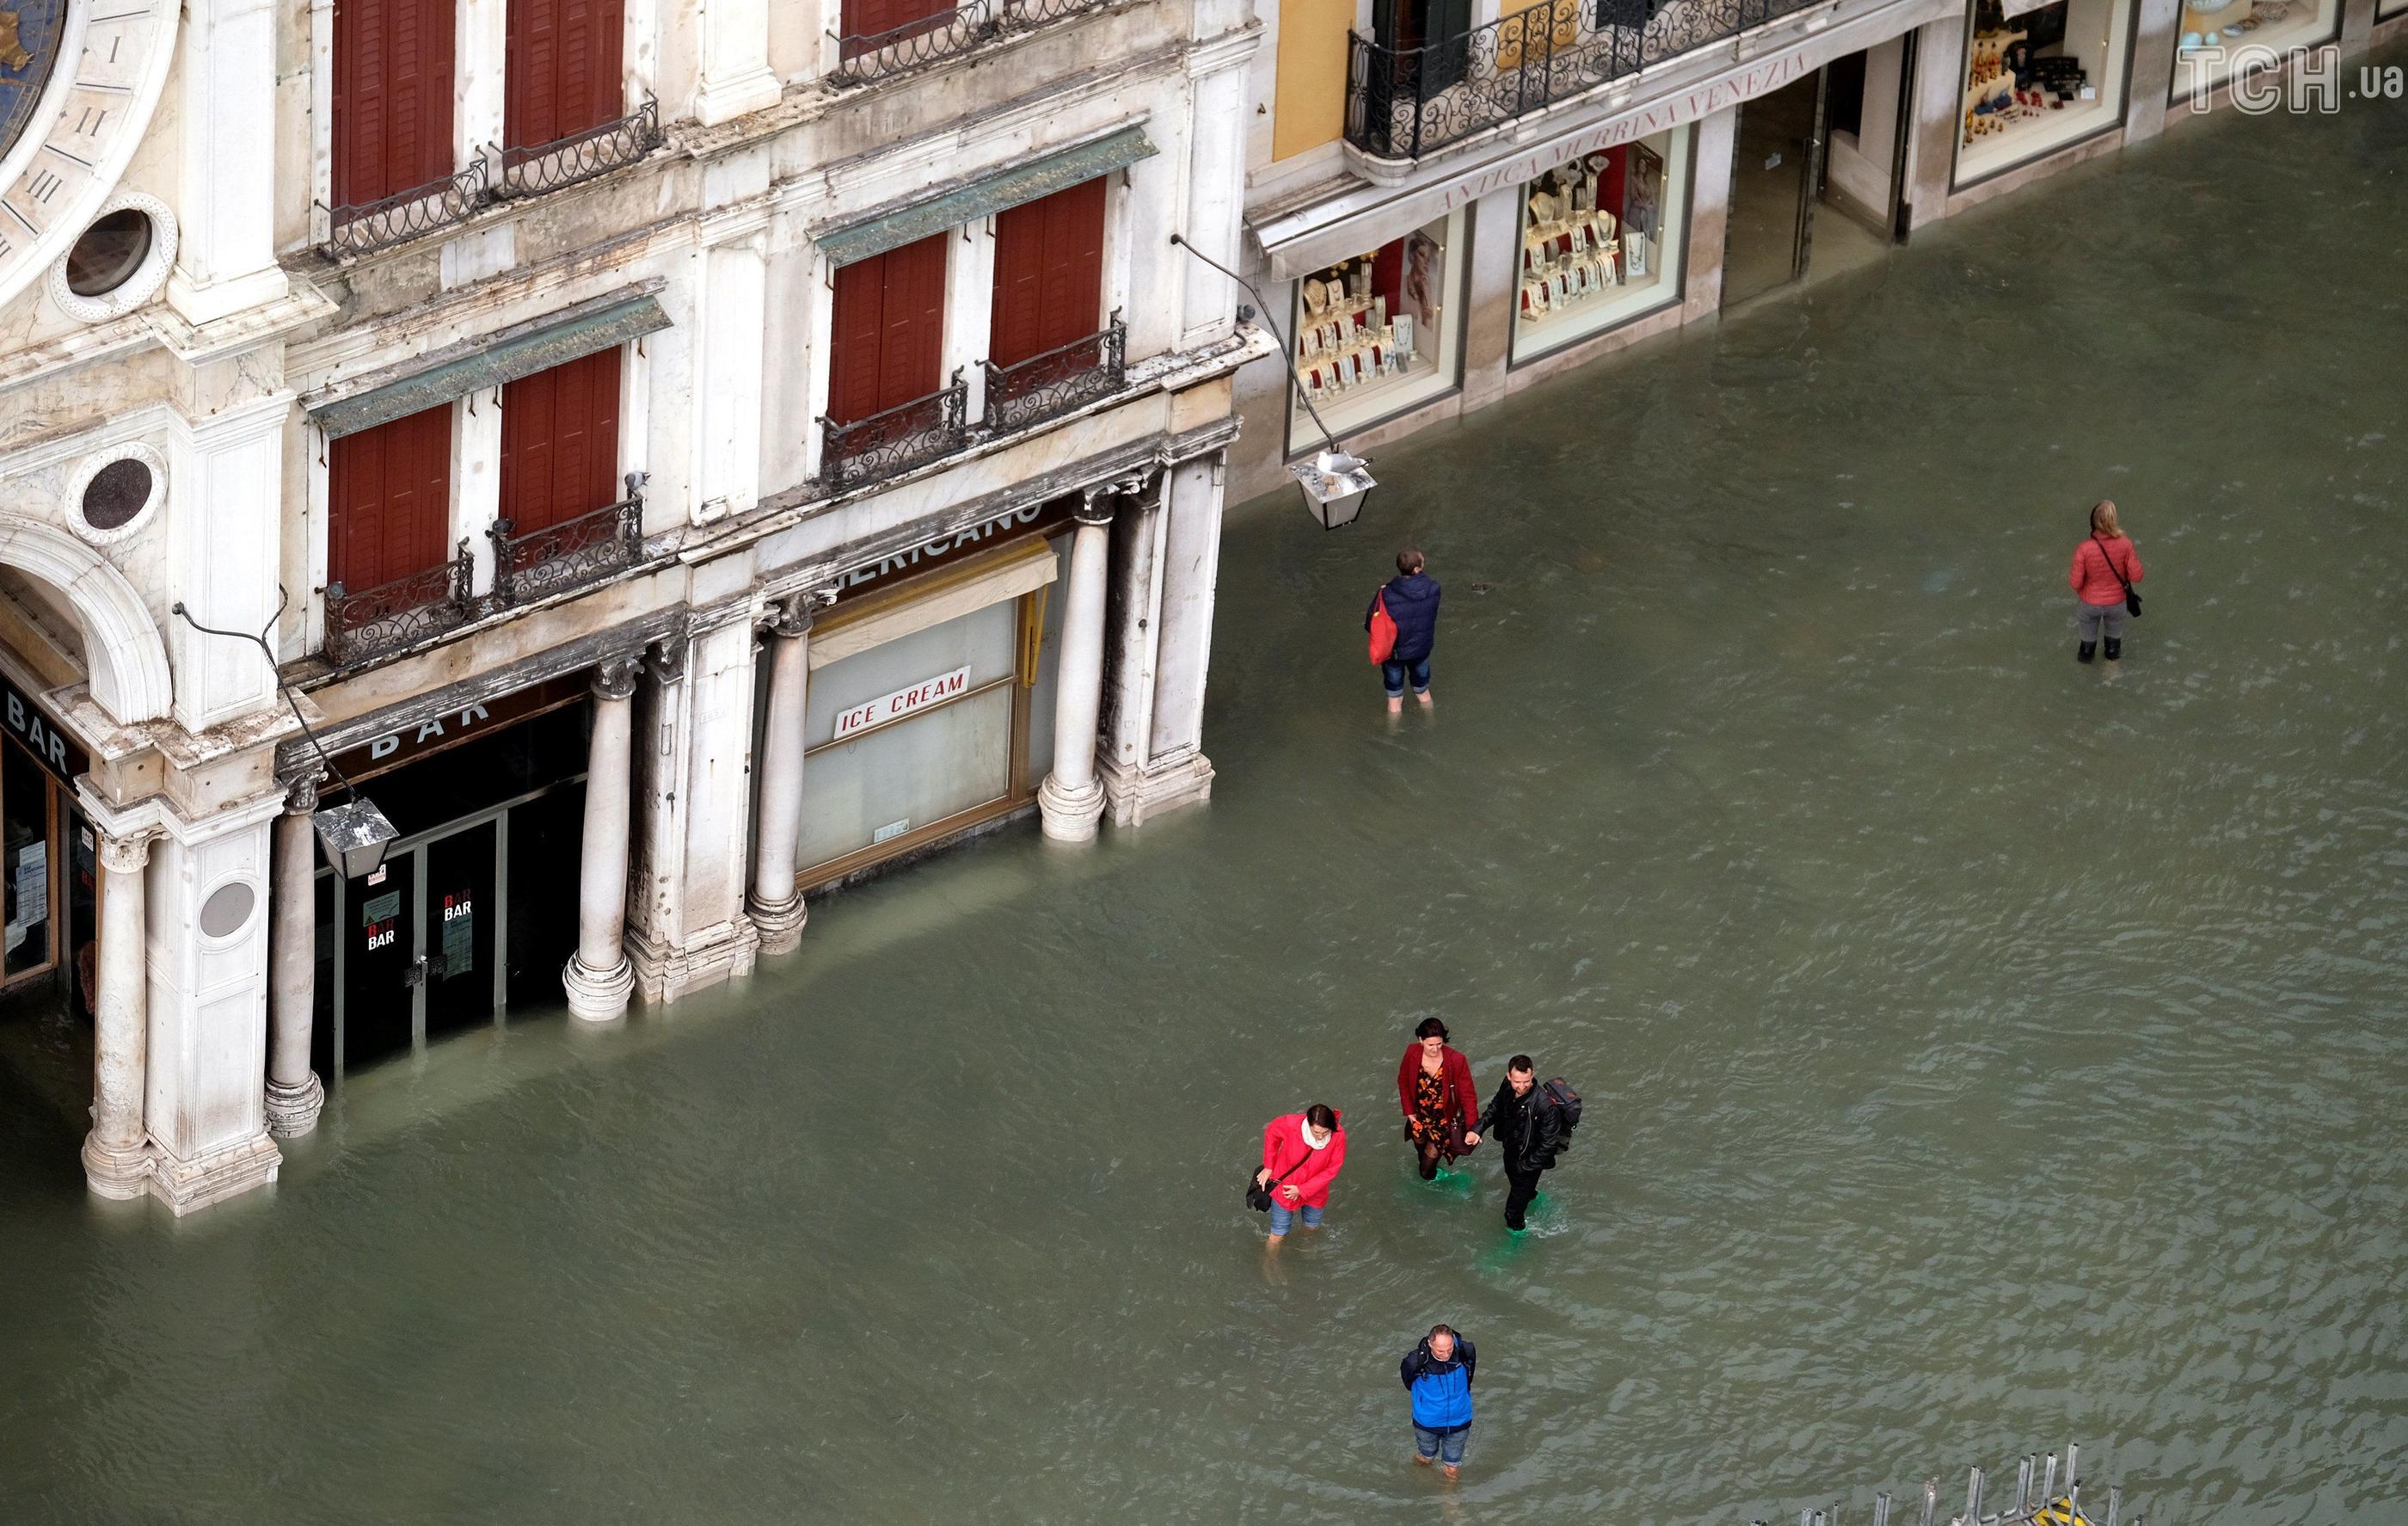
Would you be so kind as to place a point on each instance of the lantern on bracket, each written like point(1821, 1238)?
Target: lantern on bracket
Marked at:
point(1336, 486)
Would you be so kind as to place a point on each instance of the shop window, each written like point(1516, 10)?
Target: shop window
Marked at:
point(2245, 35)
point(2039, 80)
point(561, 73)
point(889, 330)
point(1049, 273)
point(28, 831)
point(1602, 240)
point(389, 504)
point(1377, 334)
point(392, 97)
point(560, 443)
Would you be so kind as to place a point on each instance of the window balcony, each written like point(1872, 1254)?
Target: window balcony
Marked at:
point(1405, 103)
point(947, 32)
point(373, 227)
point(902, 438)
point(573, 554)
point(403, 612)
point(1061, 380)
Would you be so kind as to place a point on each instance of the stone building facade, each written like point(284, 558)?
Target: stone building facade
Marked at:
point(679, 455)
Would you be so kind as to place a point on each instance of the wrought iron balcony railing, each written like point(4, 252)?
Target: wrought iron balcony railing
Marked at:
point(1402, 103)
point(903, 438)
point(570, 554)
point(399, 613)
point(947, 32)
point(580, 157)
point(1059, 381)
point(405, 215)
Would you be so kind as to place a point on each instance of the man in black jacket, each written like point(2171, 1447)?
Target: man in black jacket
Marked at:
point(1528, 1132)
point(1413, 604)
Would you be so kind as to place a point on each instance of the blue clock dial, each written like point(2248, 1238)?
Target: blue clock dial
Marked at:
point(29, 51)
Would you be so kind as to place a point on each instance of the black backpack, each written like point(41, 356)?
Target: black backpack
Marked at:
point(1558, 1093)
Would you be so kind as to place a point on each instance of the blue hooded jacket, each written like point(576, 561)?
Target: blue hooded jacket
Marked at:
point(1413, 604)
point(1441, 1391)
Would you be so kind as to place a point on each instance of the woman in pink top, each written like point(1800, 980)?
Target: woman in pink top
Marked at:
point(1301, 1152)
point(2096, 563)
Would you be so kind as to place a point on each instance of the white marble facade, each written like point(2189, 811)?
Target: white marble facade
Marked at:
point(210, 368)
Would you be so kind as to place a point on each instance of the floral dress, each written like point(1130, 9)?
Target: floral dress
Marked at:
point(1430, 1110)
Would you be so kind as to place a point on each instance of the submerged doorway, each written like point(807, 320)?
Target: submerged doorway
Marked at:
point(1816, 173)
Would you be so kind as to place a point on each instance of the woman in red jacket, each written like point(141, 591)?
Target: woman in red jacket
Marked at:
point(1301, 1154)
point(2096, 563)
point(1434, 1088)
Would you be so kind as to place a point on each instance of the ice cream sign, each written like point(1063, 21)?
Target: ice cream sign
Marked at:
point(902, 702)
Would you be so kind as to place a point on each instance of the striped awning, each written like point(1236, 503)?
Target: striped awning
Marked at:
point(845, 242)
point(456, 370)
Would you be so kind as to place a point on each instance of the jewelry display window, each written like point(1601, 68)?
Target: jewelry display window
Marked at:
point(1377, 333)
point(1602, 241)
point(2038, 79)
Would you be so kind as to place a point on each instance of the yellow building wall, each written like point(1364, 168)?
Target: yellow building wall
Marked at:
point(1312, 97)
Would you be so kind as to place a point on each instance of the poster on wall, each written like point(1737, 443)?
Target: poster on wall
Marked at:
point(1643, 199)
point(1421, 266)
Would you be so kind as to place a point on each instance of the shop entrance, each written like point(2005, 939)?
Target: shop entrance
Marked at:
point(1817, 173)
point(47, 868)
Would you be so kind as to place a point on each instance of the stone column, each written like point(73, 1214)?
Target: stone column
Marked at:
point(600, 978)
point(1071, 799)
point(1152, 756)
point(777, 907)
point(295, 1093)
point(226, 253)
point(116, 1154)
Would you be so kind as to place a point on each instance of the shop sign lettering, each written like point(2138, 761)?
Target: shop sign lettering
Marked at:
point(902, 702)
point(405, 744)
point(379, 917)
point(30, 724)
point(971, 538)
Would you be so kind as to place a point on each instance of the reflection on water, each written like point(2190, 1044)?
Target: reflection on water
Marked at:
point(1980, 1051)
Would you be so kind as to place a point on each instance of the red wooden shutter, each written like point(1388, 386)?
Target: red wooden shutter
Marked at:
point(392, 96)
point(560, 443)
point(1049, 273)
point(889, 330)
point(562, 70)
point(870, 21)
point(389, 500)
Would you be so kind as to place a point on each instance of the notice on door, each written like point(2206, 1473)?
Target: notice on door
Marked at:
point(902, 702)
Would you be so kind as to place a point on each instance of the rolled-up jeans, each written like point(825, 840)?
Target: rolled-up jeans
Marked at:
point(2089, 619)
point(1394, 674)
point(1447, 1446)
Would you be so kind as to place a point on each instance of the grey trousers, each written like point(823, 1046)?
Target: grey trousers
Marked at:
point(2090, 617)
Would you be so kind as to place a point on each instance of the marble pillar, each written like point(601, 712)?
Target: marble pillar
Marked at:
point(776, 906)
point(116, 1155)
point(600, 978)
point(1071, 799)
point(1152, 753)
point(295, 1093)
point(226, 147)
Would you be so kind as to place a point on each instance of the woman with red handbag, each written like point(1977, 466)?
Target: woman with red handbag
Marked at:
point(1434, 1088)
point(1403, 622)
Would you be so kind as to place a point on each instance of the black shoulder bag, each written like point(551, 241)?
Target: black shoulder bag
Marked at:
point(1258, 1196)
point(2132, 600)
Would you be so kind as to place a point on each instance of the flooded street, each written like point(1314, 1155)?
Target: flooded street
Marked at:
point(1981, 1051)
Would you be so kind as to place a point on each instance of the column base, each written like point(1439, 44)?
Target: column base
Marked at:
point(222, 1174)
point(598, 996)
point(725, 100)
point(780, 923)
point(1149, 789)
point(113, 1172)
point(721, 953)
point(206, 302)
point(292, 1111)
point(1069, 816)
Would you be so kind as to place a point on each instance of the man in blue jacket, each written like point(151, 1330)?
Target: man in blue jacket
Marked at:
point(1413, 604)
point(1438, 1374)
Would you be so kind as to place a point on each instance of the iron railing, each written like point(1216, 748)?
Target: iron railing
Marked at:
point(399, 613)
point(1061, 379)
point(405, 215)
point(862, 57)
point(1402, 103)
point(580, 157)
point(569, 554)
point(902, 438)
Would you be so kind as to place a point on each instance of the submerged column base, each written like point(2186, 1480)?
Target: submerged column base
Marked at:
point(186, 1185)
point(292, 1111)
point(116, 1171)
point(781, 923)
point(718, 954)
point(1149, 789)
point(1069, 815)
point(598, 996)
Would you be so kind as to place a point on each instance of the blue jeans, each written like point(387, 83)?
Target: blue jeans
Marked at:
point(1392, 673)
point(1283, 1215)
point(1447, 1446)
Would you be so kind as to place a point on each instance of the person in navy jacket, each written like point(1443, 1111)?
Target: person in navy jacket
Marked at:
point(1438, 1374)
point(1413, 604)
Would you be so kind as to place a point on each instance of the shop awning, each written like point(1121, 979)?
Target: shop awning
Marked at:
point(1023, 569)
point(475, 365)
point(859, 239)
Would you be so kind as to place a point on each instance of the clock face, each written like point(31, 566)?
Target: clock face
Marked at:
point(78, 82)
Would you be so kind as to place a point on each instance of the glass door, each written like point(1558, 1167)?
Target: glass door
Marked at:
point(381, 964)
point(459, 988)
point(1775, 170)
point(29, 811)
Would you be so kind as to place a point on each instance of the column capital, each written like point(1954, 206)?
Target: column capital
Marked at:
point(791, 617)
point(123, 854)
point(668, 658)
point(301, 794)
point(614, 677)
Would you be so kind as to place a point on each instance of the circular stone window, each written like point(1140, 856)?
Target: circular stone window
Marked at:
point(112, 493)
point(109, 253)
point(227, 910)
point(119, 262)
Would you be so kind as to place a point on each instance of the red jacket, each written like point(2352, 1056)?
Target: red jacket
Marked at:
point(1284, 1146)
point(2094, 576)
point(1462, 1099)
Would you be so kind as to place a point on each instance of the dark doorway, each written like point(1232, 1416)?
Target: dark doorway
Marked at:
point(1776, 168)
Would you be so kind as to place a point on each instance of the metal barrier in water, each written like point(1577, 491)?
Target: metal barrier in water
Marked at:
point(2038, 1501)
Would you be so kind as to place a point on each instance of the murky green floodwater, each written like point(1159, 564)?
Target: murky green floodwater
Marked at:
point(1981, 1051)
